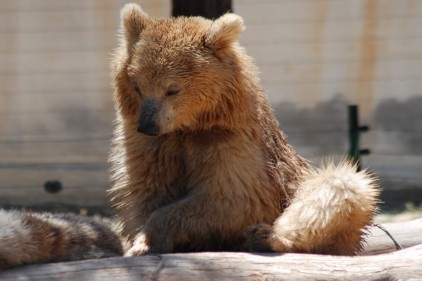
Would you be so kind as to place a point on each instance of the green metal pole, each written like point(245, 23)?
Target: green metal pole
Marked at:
point(354, 136)
point(354, 152)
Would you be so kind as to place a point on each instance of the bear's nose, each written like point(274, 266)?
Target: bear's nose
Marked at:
point(148, 128)
point(148, 116)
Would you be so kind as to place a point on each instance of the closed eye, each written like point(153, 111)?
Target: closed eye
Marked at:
point(172, 90)
point(135, 87)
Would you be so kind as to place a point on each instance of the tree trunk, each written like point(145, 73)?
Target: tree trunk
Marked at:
point(399, 265)
point(211, 9)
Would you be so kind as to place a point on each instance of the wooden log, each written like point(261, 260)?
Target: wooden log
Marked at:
point(399, 265)
point(407, 234)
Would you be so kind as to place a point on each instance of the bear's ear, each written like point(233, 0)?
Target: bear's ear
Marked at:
point(133, 21)
point(224, 31)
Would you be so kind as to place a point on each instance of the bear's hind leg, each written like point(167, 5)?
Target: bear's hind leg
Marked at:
point(328, 214)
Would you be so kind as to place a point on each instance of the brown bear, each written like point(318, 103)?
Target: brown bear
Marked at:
point(198, 160)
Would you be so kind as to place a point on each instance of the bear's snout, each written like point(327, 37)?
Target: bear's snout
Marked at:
point(148, 115)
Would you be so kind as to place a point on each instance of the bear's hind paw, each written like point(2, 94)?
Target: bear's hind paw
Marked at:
point(262, 238)
point(258, 238)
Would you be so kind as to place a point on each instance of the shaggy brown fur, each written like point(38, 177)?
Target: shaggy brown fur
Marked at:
point(198, 157)
point(32, 238)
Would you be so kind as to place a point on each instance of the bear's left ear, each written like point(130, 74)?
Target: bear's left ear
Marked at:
point(133, 21)
point(224, 31)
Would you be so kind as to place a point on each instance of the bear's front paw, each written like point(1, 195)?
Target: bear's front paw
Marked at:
point(138, 248)
point(258, 237)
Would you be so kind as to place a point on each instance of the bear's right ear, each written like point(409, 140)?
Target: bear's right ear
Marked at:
point(224, 31)
point(133, 21)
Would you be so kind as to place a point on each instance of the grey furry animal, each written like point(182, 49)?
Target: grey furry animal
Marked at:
point(27, 238)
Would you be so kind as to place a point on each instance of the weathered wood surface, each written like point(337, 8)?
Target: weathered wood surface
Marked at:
point(407, 234)
point(399, 265)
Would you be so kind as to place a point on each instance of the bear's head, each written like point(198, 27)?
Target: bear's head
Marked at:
point(181, 73)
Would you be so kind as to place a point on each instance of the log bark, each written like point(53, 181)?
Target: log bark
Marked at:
point(398, 265)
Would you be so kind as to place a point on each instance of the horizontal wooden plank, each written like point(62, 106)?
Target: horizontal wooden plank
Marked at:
point(58, 21)
point(321, 11)
point(340, 72)
point(76, 175)
point(66, 20)
point(79, 187)
point(306, 94)
point(55, 62)
point(34, 106)
point(293, 33)
point(42, 5)
point(331, 52)
point(71, 151)
point(47, 86)
point(37, 5)
point(59, 123)
point(53, 41)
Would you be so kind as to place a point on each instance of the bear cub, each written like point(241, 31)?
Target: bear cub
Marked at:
point(198, 160)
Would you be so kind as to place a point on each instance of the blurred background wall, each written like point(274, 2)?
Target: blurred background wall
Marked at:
point(316, 57)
